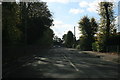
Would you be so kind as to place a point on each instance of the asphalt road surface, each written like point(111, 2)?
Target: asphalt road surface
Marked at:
point(65, 63)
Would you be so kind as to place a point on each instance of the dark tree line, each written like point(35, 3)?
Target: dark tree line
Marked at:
point(25, 29)
point(57, 41)
point(26, 22)
point(69, 39)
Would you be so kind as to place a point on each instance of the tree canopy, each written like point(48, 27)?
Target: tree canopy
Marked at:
point(107, 25)
point(25, 22)
point(69, 40)
point(88, 28)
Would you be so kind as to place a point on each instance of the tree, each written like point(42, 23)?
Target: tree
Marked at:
point(69, 39)
point(88, 28)
point(94, 26)
point(107, 22)
point(36, 18)
point(57, 40)
point(25, 22)
point(47, 38)
point(64, 38)
point(10, 18)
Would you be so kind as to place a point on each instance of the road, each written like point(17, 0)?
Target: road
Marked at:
point(65, 63)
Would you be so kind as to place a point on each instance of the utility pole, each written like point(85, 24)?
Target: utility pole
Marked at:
point(74, 38)
point(74, 31)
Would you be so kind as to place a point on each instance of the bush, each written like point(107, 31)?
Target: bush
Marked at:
point(74, 46)
point(85, 44)
point(78, 47)
point(47, 39)
point(101, 47)
point(94, 46)
point(97, 46)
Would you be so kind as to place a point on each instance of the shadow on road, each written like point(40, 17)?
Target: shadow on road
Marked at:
point(65, 63)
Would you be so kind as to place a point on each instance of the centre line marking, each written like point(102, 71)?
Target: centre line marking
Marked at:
point(71, 64)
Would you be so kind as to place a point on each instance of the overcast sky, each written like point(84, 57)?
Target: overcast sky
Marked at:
point(67, 13)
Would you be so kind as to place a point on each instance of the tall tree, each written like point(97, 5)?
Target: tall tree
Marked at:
point(69, 39)
point(57, 40)
point(84, 26)
point(36, 18)
point(107, 24)
point(25, 21)
point(10, 19)
point(88, 28)
point(47, 38)
point(94, 28)
point(64, 39)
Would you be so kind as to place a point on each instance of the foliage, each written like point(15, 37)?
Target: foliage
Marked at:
point(84, 26)
point(69, 39)
point(10, 20)
point(38, 18)
point(25, 22)
point(74, 46)
point(114, 40)
point(47, 38)
point(78, 47)
point(107, 23)
point(25, 29)
point(94, 26)
point(88, 28)
point(64, 37)
point(84, 43)
point(57, 41)
point(95, 46)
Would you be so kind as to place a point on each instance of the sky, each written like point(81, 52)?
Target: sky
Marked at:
point(67, 14)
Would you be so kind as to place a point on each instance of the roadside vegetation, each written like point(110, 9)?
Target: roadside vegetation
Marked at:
point(88, 28)
point(100, 36)
point(25, 28)
point(69, 39)
point(107, 39)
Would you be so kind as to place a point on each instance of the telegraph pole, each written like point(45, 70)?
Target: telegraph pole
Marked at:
point(74, 31)
point(74, 38)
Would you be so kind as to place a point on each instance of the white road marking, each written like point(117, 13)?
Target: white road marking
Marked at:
point(71, 64)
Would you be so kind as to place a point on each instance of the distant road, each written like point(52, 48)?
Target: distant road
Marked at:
point(65, 63)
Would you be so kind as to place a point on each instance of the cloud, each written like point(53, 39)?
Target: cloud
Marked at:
point(57, 1)
point(61, 1)
point(90, 6)
point(93, 6)
point(76, 11)
point(58, 22)
point(83, 4)
point(110, 0)
point(60, 28)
